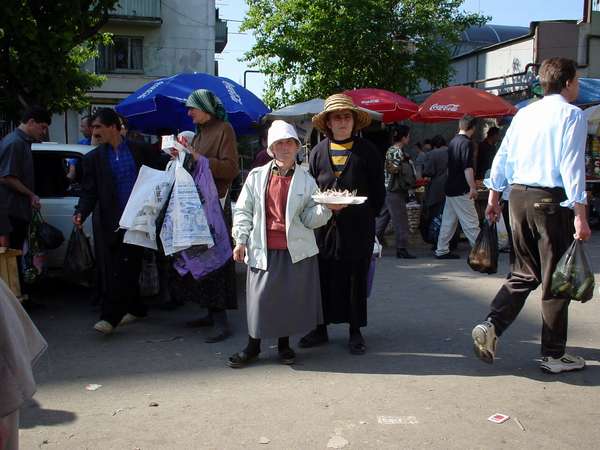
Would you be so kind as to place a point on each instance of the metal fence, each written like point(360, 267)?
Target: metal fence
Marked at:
point(137, 8)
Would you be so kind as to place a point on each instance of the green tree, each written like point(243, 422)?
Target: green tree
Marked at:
point(43, 45)
point(313, 48)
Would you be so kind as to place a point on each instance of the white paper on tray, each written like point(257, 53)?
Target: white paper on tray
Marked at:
point(338, 200)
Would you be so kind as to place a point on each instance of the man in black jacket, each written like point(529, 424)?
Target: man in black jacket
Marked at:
point(109, 173)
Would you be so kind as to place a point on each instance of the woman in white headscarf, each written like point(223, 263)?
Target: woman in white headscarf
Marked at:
point(273, 225)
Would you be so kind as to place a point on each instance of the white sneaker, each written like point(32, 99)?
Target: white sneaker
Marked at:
point(485, 341)
point(104, 327)
point(565, 363)
point(128, 318)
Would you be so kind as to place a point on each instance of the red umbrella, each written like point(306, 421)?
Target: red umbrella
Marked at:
point(453, 102)
point(394, 107)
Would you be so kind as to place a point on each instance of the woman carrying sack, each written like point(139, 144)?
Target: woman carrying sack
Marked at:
point(216, 141)
point(273, 230)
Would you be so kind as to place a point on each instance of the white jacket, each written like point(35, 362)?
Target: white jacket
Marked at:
point(302, 215)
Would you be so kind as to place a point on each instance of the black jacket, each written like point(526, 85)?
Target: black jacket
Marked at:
point(353, 234)
point(98, 193)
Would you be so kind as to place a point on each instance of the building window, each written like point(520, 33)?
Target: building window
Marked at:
point(124, 55)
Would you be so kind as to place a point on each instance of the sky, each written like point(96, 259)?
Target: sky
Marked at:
point(502, 12)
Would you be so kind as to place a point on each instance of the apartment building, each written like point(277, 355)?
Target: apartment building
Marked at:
point(151, 39)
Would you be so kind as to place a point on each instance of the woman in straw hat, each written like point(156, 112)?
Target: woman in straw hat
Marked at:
point(346, 161)
point(273, 230)
point(216, 141)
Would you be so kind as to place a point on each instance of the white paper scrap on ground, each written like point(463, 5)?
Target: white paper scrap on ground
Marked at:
point(498, 418)
point(337, 441)
point(264, 440)
point(397, 420)
point(93, 387)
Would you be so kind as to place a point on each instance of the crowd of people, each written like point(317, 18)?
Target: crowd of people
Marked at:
point(307, 262)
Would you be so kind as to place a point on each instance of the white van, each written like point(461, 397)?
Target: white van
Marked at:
point(59, 194)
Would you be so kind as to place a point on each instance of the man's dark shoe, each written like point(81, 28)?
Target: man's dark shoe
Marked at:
point(313, 339)
point(403, 253)
point(220, 336)
point(356, 344)
point(287, 356)
point(447, 256)
point(205, 321)
point(241, 359)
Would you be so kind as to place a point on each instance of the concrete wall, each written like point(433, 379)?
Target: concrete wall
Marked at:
point(590, 58)
point(184, 42)
point(556, 39)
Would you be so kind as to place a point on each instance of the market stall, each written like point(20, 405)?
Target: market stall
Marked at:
point(452, 103)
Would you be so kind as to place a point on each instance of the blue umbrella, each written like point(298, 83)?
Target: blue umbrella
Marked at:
point(160, 104)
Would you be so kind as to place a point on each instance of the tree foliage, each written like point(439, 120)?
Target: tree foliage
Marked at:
point(313, 48)
point(43, 45)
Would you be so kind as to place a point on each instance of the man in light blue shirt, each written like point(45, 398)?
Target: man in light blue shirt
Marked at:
point(542, 160)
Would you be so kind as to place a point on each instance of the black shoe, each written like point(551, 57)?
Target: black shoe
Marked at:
point(170, 306)
point(313, 339)
point(447, 256)
point(241, 359)
point(220, 336)
point(205, 321)
point(403, 253)
point(287, 356)
point(356, 344)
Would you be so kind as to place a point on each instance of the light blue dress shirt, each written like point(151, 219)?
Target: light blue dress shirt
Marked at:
point(544, 146)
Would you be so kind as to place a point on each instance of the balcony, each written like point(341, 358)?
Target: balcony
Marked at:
point(141, 12)
point(220, 35)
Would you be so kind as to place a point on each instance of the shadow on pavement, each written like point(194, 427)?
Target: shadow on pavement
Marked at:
point(33, 415)
point(420, 318)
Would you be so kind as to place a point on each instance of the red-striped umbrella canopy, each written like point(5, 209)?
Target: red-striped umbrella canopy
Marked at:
point(394, 107)
point(453, 102)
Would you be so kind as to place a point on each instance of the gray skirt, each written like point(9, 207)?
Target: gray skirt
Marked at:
point(285, 299)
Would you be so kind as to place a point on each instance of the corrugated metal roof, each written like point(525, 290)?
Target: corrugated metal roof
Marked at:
point(483, 36)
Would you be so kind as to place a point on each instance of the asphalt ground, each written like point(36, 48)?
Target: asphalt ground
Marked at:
point(418, 386)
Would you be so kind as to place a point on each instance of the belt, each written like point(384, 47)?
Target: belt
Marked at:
point(526, 187)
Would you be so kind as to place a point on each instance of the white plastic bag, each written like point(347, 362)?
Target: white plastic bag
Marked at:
point(149, 194)
point(377, 248)
point(185, 222)
point(502, 233)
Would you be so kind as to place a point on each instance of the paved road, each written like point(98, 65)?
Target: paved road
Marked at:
point(419, 377)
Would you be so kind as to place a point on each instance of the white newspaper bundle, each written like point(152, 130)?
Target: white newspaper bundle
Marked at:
point(148, 197)
point(185, 222)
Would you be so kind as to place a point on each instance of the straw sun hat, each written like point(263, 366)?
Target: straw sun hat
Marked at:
point(338, 102)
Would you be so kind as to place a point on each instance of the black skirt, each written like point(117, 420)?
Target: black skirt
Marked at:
point(344, 290)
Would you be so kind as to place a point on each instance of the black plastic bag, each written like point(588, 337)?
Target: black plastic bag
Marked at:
point(79, 260)
point(34, 258)
point(484, 255)
point(573, 277)
point(49, 237)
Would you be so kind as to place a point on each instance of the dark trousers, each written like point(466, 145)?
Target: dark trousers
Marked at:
point(394, 209)
point(506, 218)
point(123, 263)
point(542, 231)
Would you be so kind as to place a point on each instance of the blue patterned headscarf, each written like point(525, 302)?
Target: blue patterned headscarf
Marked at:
point(207, 101)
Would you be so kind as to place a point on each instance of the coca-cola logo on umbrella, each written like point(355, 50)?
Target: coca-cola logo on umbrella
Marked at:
point(450, 107)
